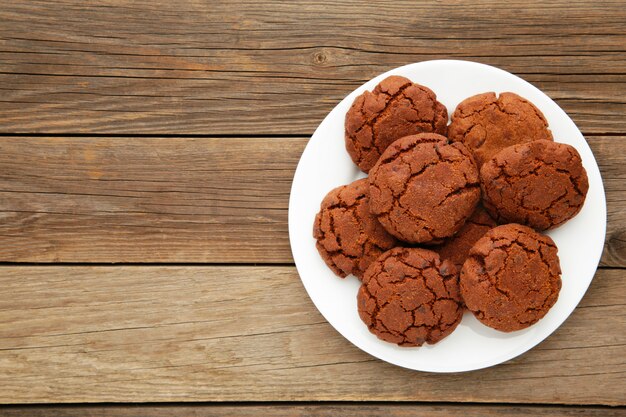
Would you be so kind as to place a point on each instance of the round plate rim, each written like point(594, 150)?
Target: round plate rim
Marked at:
point(593, 170)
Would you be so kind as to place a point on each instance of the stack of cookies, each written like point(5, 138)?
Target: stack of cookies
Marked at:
point(450, 216)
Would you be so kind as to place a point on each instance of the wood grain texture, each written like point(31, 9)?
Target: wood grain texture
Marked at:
point(181, 199)
point(311, 410)
point(146, 199)
point(140, 334)
point(250, 333)
point(250, 67)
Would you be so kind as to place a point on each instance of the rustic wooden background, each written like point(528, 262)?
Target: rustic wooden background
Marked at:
point(147, 150)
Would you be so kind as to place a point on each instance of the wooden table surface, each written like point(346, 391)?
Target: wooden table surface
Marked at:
point(147, 151)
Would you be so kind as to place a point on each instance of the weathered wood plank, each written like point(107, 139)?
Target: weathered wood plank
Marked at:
point(180, 199)
point(145, 199)
point(309, 410)
point(140, 334)
point(220, 68)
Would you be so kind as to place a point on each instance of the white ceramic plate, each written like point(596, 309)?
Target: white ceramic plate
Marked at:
point(325, 164)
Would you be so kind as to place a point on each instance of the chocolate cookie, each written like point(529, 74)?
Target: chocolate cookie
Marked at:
point(409, 297)
point(348, 236)
point(456, 248)
point(395, 108)
point(487, 124)
point(511, 278)
point(541, 184)
point(421, 192)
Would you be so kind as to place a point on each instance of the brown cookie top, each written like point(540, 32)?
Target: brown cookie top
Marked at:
point(511, 278)
point(397, 107)
point(422, 192)
point(409, 297)
point(457, 247)
point(348, 236)
point(541, 184)
point(487, 124)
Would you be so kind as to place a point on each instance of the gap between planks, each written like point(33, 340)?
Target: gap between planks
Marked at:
point(309, 409)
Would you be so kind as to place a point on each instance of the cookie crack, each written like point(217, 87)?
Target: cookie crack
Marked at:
point(344, 205)
point(332, 228)
point(372, 122)
point(500, 106)
point(364, 242)
point(421, 275)
point(433, 106)
point(374, 314)
point(396, 201)
point(475, 112)
point(435, 296)
point(321, 237)
point(400, 152)
point(363, 237)
point(546, 212)
point(431, 333)
point(495, 278)
point(378, 308)
point(358, 149)
point(397, 204)
point(418, 218)
point(572, 179)
point(539, 116)
point(464, 189)
point(333, 252)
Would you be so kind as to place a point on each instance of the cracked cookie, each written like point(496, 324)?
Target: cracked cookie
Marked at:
point(423, 191)
point(541, 184)
point(511, 278)
point(456, 248)
point(348, 236)
point(397, 107)
point(487, 124)
point(409, 297)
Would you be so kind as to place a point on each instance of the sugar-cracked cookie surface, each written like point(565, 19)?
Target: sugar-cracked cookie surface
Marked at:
point(410, 297)
point(457, 247)
point(397, 107)
point(486, 124)
point(348, 236)
point(541, 184)
point(511, 278)
point(423, 192)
